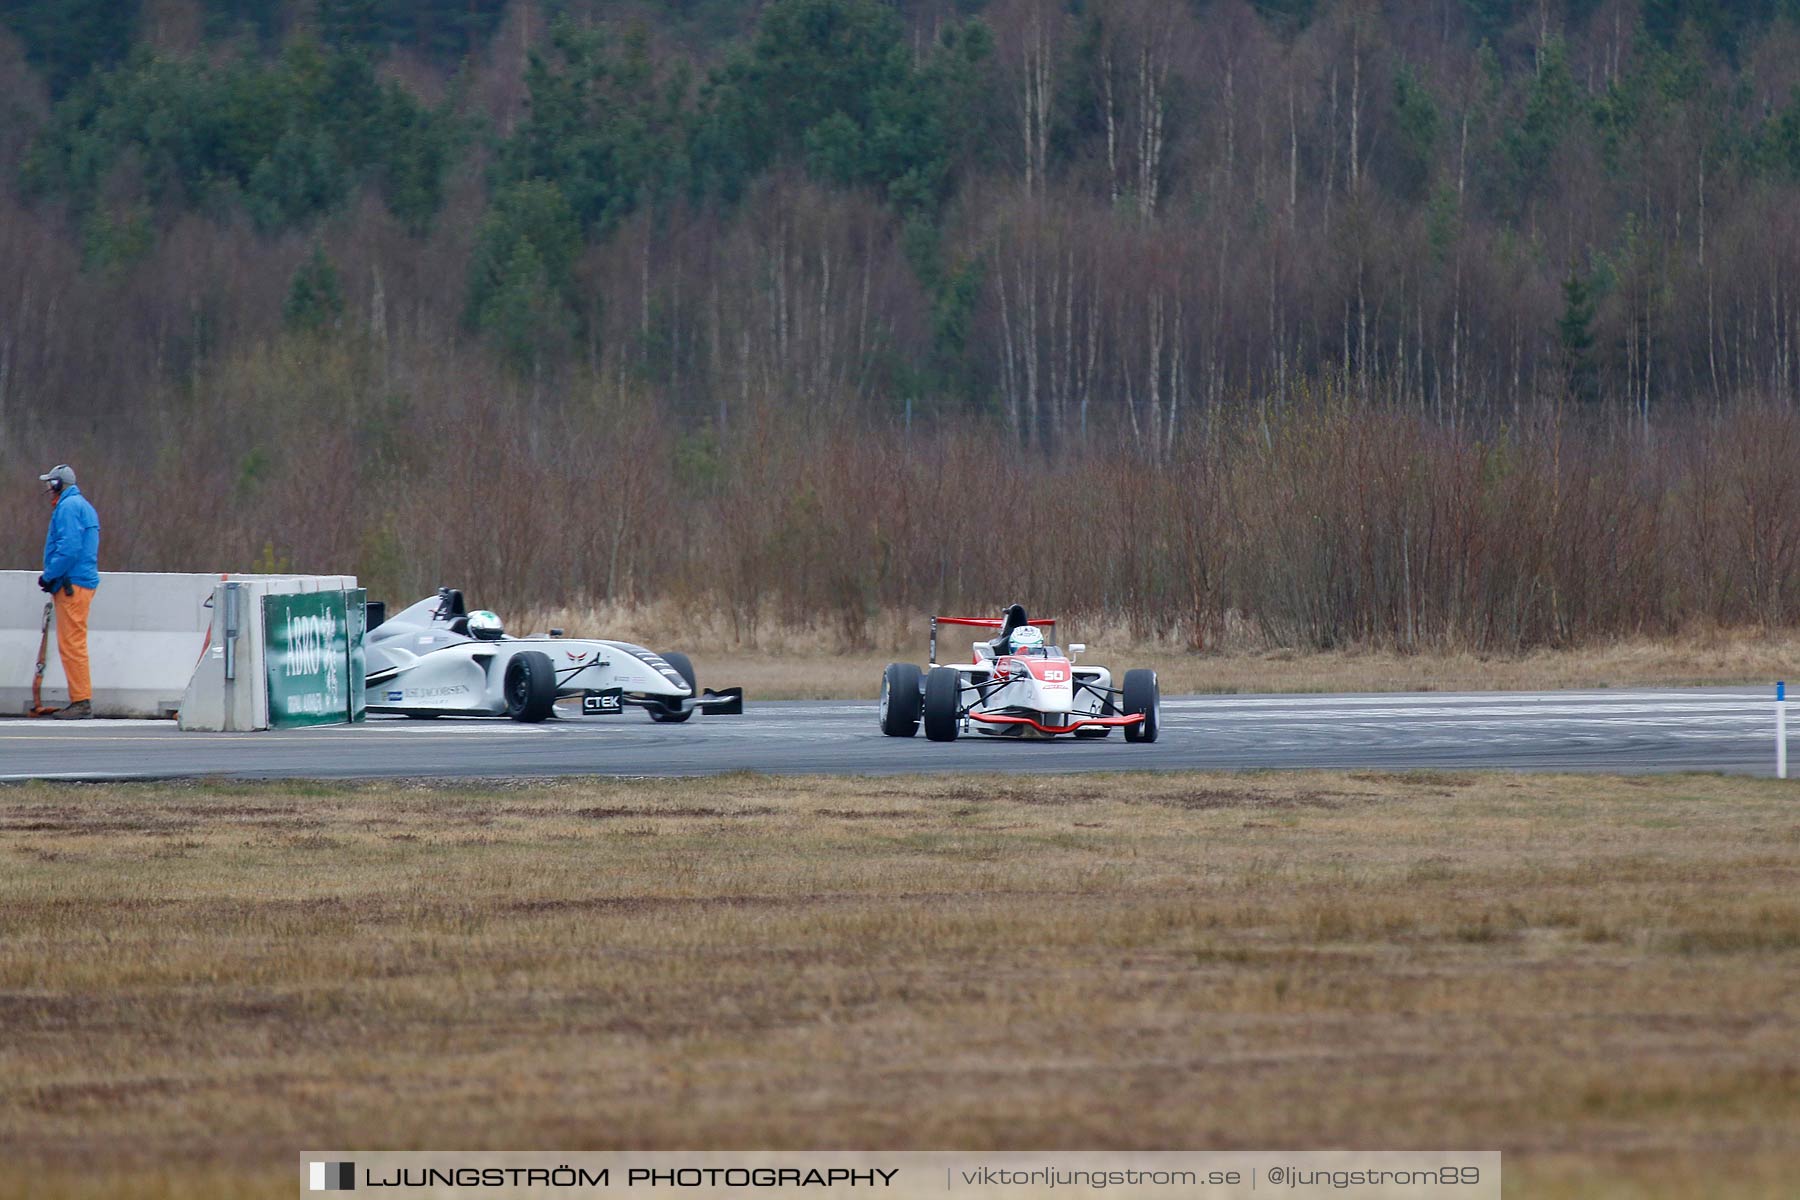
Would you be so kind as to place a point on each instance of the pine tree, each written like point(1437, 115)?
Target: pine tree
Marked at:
point(533, 213)
point(314, 302)
point(1575, 339)
point(524, 316)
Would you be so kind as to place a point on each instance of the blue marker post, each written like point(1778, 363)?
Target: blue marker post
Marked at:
point(1781, 731)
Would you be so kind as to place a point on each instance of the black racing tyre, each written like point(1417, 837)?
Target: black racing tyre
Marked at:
point(685, 669)
point(1142, 696)
point(943, 704)
point(901, 700)
point(530, 686)
point(1100, 731)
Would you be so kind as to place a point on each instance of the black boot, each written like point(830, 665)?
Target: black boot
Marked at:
point(81, 710)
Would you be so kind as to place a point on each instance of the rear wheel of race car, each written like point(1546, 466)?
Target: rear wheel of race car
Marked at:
point(900, 700)
point(943, 703)
point(530, 686)
point(685, 669)
point(1142, 696)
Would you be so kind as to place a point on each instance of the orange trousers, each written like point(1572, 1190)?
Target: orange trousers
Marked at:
point(71, 641)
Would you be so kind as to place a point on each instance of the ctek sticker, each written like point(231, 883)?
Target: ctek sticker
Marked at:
point(602, 703)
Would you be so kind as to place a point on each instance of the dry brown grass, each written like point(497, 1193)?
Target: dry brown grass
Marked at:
point(822, 662)
point(1595, 975)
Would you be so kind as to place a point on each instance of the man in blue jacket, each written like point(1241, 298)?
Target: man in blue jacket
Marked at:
point(71, 576)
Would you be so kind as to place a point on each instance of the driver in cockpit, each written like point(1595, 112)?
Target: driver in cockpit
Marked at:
point(1014, 626)
point(1029, 640)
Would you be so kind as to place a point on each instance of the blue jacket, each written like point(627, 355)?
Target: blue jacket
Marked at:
point(72, 547)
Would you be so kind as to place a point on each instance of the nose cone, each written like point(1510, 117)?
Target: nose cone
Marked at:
point(1053, 682)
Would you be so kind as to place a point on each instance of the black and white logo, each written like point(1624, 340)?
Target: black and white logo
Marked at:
point(607, 703)
point(331, 1177)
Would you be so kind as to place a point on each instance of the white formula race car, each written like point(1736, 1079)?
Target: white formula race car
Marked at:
point(438, 659)
point(1019, 685)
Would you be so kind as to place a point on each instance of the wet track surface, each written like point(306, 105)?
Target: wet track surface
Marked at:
point(1661, 730)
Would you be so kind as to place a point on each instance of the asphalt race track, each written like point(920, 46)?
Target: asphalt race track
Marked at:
point(1664, 730)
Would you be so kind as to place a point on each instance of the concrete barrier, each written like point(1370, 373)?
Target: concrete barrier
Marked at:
point(230, 685)
point(144, 637)
point(146, 632)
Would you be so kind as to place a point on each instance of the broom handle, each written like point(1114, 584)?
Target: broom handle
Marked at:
point(37, 679)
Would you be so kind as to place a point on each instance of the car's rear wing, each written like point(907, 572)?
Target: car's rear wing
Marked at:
point(979, 623)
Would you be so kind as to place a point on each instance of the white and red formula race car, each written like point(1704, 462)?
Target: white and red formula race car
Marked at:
point(1018, 685)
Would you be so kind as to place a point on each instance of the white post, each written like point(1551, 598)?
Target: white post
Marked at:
point(1781, 731)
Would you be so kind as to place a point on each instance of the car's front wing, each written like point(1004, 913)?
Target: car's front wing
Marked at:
point(1071, 727)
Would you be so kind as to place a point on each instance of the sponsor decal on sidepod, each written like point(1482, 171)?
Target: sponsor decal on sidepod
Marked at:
point(436, 693)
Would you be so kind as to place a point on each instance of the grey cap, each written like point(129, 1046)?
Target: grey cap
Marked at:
point(62, 475)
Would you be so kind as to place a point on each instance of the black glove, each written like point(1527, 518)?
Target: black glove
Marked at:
point(44, 584)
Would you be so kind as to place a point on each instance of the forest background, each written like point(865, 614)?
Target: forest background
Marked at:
point(1418, 325)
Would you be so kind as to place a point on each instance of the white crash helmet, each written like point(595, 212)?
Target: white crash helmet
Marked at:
point(485, 626)
point(1027, 637)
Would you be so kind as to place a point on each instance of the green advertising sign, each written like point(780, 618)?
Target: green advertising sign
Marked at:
point(312, 649)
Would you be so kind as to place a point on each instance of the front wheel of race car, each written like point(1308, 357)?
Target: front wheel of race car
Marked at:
point(943, 703)
point(900, 700)
point(1142, 696)
point(685, 669)
point(530, 686)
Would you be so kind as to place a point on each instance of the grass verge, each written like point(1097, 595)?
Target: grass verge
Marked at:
point(1595, 975)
